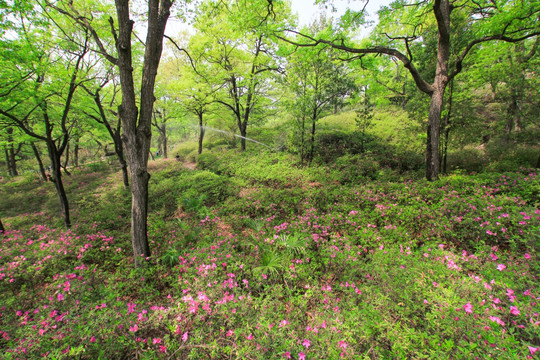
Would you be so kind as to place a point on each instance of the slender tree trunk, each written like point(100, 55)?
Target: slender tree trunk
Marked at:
point(66, 162)
point(10, 154)
point(243, 134)
point(201, 132)
point(2, 227)
point(40, 163)
point(164, 141)
point(76, 153)
point(446, 127)
point(119, 150)
point(302, 139)
point(312, 150)
point(54, 156)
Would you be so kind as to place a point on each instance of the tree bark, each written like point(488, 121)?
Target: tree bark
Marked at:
point(2, 227)
point(56, 173)
point(137, 132)
point(40, 163)
point(446, 127)
point(10, 153)
point(201, 132)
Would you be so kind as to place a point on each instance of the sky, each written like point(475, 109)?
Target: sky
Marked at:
point(307, 11)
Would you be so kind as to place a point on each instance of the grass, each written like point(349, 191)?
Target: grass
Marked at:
point(279, 261)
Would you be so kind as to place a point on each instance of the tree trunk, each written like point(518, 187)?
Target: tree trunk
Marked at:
point(76, 153)
point(433, 132)
point(243, 134)
point(40, 163)
point(164, 140)
point(312, 150)
point(446, 127)
point(2, 227)
point(54, 156)
point(137, 133)
point(10, 154)
point(201, 132)
point(139, 213)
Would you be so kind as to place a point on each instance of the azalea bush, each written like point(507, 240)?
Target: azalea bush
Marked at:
point(282, 270)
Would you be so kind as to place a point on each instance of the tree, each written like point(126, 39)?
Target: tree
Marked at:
point(235, 35)
point(319, 83)
point(493, 20)
point(136, 122)
point(38, 99)
point(113, 127)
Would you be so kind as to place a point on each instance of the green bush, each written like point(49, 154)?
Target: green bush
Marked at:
point(214, 187)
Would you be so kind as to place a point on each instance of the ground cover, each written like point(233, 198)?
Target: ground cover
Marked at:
point(272, 264)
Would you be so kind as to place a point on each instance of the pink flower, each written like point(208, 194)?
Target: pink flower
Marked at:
point(533, 349)
point(501, 267)
point(156, 341)
point(301, 356)
point(60, 297)
point(527, 256)
point(162, 348)
point(287, 355)
point(497, 320)
point(342, 344)
point(133, 328)
point(514, 310)
point(185, 336)
point(306, 343)
point(425, 301)
point(493, 257)
point(468, 307)
point(93, 339)
point(249, 337)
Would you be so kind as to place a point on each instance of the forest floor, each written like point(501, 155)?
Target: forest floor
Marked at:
point(254, 257)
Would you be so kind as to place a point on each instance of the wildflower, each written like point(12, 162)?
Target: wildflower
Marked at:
point(493, 257)
point(133, 328)
point(501, 267)
point(468, 307)
point(156, 341)
point(425, 301)
point(287, 355)
point(185, 336)
point(342, 344)
point(533, 349)
point(514, 310)
point(527, 256)
point(301, 356)
point(249, 337)
point(497, 320)
point(162, 348)
point(306, 343)
point(93, 339)
point(60, 297)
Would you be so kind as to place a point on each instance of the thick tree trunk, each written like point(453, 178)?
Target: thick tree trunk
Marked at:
point(137, 133)
point(40, 163)
point(442, 9)
point(201, 132)
point(139, 213)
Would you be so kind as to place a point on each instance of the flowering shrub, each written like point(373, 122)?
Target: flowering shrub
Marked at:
point(443, 270)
